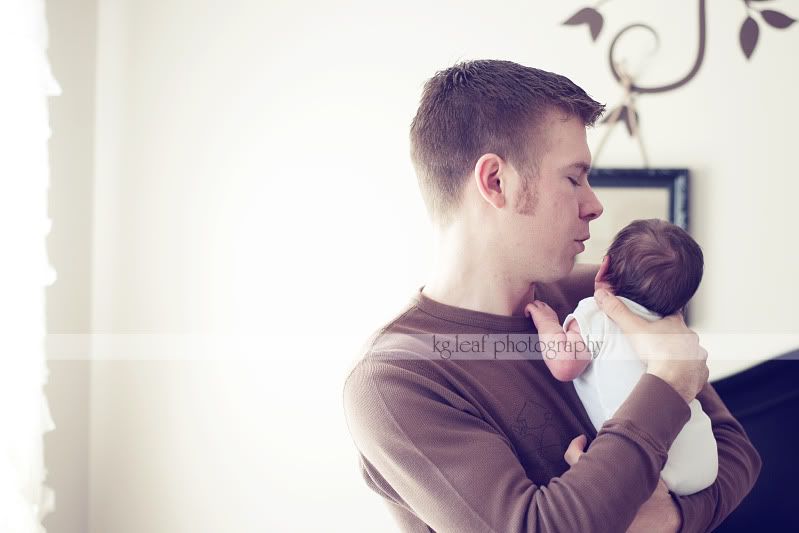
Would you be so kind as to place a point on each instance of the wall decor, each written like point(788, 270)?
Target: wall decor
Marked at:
point(626, 112)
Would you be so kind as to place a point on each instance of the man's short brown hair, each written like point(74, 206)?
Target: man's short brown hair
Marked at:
point(486, 106)
point(656, 264)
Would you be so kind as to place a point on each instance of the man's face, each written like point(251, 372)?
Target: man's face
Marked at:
point(551, 214)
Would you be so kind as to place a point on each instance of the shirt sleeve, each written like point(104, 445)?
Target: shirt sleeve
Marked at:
point(738, 468)
point(442, 461)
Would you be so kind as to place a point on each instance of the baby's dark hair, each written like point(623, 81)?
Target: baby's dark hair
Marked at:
point(656, 264)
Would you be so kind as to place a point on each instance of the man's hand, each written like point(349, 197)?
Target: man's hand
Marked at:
point(670, 349)
point(575, 450)
point(658, 514)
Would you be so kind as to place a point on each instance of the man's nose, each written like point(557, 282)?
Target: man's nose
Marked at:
point(591, 207)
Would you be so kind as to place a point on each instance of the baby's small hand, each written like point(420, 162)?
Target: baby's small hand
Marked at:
point(564, 359)
point(544, 318)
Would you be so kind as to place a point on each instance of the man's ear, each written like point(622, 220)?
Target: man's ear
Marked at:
point(490, 174)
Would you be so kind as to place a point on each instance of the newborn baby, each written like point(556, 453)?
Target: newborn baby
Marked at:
point(654, 267)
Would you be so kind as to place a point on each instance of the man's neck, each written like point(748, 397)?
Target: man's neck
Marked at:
point(474, 279)
point(485, 297)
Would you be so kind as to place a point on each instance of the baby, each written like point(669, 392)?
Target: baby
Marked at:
point(654, 267)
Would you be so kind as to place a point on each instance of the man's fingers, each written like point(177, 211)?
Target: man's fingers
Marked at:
point(618, 312)
point(602, 285)
point(575, 449)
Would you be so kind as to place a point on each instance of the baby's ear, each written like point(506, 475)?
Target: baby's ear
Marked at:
point(603, 269)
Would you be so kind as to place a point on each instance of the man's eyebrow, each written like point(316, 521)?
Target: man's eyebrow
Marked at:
point(581, 165)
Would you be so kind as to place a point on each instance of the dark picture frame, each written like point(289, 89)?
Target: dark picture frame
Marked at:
point(628, 194)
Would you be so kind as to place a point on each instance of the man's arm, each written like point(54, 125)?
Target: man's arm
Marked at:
point(738, 461)
point(739, 467)
point(440, 459)
point(658, 513)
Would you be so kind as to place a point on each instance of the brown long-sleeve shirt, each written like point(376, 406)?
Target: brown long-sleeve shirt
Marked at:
point(475, 441)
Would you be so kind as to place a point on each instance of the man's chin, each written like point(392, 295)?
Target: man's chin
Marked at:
point(555, 274)
point(555, 271)
point(566, 270)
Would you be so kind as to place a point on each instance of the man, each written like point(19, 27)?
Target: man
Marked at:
point(476, 442)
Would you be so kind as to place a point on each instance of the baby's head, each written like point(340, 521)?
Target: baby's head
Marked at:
point(655, 264)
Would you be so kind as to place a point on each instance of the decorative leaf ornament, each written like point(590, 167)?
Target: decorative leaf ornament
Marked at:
point(590, 16)
point(626, 114)
point(776, 19)
point(750, 31)
point(748, 36)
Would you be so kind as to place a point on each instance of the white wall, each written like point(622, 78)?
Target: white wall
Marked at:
point(251, 175)
point(72, 31)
